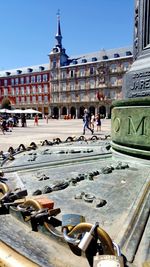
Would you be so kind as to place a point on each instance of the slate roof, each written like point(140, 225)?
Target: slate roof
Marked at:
point(25, 70)
point(98, 56)
point(80, 59)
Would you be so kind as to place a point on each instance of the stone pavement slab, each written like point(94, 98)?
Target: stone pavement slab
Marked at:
point(54, 128)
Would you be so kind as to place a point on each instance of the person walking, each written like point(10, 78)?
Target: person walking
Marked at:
point(98, 122)
point(92, 121)
point(86, 121)
point(36, 120)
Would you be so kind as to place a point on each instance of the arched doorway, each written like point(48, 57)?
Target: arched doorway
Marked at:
point(81, 112)
point(73, 112)
point(102, 111)
point(92, 110)
point(55, 113)
point(64, 111)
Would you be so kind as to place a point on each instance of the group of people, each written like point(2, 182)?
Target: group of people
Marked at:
point(90, 121)
point(7, 123)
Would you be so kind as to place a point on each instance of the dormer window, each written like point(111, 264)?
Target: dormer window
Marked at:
point(8, 73)
point(128, 53)
point(29, 70)
point(116, 55)
point(84, 60)
point(19, 71)
point(41, 68)
point(94, 59)
point(74, 61)
point(105, 57)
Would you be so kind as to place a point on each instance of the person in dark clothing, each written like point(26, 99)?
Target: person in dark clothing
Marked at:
point(23, 120)
point(86, 121)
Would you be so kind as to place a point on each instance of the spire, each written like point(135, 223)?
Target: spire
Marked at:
point(58, 34)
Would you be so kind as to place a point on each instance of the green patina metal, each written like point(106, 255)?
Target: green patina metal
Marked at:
point(131, 127)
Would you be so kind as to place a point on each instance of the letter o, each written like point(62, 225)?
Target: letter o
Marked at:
point(116, 125)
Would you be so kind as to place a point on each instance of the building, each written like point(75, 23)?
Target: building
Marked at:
point(67, 85)
point(26, 87)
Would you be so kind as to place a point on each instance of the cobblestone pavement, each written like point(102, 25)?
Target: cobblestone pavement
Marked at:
point(44, 131)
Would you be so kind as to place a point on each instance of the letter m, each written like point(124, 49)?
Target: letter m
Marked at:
point(139, 129)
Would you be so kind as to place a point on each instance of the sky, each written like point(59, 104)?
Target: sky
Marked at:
point(28, 28)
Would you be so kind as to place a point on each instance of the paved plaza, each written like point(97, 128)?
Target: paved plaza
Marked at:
point(48, 131)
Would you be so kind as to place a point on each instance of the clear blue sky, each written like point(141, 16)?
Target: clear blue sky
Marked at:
point(28, 28)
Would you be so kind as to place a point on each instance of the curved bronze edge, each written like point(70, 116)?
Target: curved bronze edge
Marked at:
point(11, 258)
point(130, 150)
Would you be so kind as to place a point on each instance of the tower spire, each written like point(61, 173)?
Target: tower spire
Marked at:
point(58, 34)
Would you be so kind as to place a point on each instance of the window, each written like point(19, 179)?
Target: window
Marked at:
point(113, 94)
point(28, 99)
point(92, 83)
point(55, 88)
point(63, 97)
point(22, 99)
point(39, 89)
point(45, 99)
point(125, 66)
point(92, 96)
point(5, 91)
point(72, 73)
point(33, 89)
point(45, 88)
point(22, 80)
point(32, 79)
point(91, 70)
point(54, 75)
point(113, 80)
point(39, 98)
point(63, 74)
point(12, 82)
point(12, 91)
point(82, 97)
point(17, 90)
point(33, 99)
point(16, 80)
point(28, 90)
point(54, 63)
point(5, 83)
point(81, 84)
point(39, 78)
point(63, 86)
point(27, 79)
point(107, 93)
point(72, 86)
point(82, 72)
point(17, 100)
point(45, 78)
point(113, 67)
point(22, 90)
point(55, 98)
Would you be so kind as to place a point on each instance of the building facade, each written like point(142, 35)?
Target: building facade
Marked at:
point(67, 85)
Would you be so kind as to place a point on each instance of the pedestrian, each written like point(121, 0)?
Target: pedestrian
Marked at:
point(92, 121)
point(98, 122)
point(36, 120)
point(86, 121)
